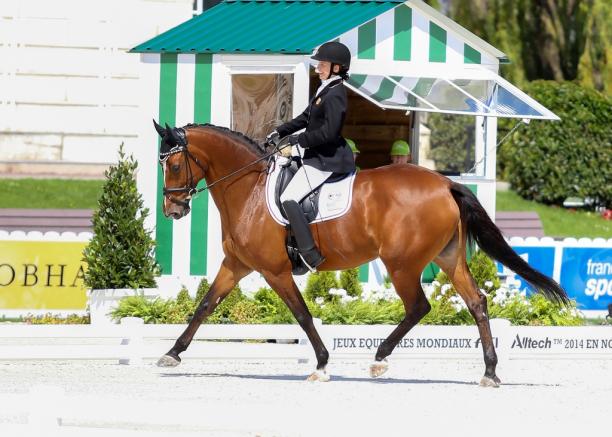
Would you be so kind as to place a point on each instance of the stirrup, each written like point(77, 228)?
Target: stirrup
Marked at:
point(311, 268)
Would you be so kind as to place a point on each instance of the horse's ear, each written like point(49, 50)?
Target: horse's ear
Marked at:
point(160, 130)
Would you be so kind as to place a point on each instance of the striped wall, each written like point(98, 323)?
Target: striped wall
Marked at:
point(184, 97)
point(405, 36)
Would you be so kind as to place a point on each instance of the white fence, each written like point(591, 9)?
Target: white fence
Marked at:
point(133, 341)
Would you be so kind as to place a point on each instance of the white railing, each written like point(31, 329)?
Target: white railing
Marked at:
point(132, 341)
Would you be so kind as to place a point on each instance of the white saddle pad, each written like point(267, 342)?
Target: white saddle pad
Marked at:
point(334, 200)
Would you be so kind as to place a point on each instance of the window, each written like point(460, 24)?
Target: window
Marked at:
point(260, 102)
point(447, 143)
point(492, 96)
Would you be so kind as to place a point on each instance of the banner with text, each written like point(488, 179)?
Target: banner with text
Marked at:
point(587, 271)
point(582, 267)
point(42, 275)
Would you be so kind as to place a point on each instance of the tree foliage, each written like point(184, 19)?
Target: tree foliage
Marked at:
point(318, 284)
point(553, 40)
point(551, 161)
point(120, 253)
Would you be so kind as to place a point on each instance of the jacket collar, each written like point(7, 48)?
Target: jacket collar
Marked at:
point(332, 83)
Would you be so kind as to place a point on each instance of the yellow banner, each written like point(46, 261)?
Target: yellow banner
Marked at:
point(41, 275)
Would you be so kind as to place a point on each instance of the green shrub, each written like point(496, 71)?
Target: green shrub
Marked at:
point(52, 319)
point(533, 310)
point(245, 311)
point(349, 280)
point(203, 288)
point(483, 269)
point(151, 311)
point(359, 312)
point(223, 312)
point(319, 284)
point(120, 253)
point(447, 308)
point(273, 309)
point(446, 311)
point(181, 310)
point(551, 161)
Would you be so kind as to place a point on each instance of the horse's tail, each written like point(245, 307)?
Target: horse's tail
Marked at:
point(481, 229)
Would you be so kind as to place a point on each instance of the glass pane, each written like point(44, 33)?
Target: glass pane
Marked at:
point(387, 92)
point(471, 96)
point(261, 102)
point(505, 102)
point(447, 142)
point(481, 90)
point(444, 96)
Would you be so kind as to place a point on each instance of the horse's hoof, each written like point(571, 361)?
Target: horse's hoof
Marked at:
point(490, 382)
point(378, 368)
point(318, 375)
point(168, 361)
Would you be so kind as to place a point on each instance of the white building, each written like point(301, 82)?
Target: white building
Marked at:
point(69, 91)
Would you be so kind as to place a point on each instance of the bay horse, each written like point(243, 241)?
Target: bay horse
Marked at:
point(404, 214)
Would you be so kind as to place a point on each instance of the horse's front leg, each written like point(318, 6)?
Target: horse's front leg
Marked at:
point(230, 273)
point(285, 287)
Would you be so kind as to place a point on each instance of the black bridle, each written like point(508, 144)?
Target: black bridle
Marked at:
point(191, 188)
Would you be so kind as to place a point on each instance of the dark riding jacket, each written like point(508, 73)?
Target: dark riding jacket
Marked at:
point(323, 119)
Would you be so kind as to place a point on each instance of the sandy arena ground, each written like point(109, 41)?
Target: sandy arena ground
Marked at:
point(238, 398)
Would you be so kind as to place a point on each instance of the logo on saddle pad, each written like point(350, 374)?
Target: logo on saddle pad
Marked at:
point(331, 200)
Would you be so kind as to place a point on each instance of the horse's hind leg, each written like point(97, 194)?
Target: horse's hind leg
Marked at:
point(285, 287)
point(455, 266)
point(408, 286)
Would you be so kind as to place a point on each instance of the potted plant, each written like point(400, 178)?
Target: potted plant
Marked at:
point(119, 256)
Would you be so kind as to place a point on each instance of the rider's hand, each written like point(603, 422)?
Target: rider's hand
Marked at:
point(273, 138)
point(293, 140)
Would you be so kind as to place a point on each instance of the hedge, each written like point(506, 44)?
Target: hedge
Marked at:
point(371, 306)
point(550, 161)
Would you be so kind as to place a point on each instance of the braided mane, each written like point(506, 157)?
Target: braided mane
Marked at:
point(258, 149)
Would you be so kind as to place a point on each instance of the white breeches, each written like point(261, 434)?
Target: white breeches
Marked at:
point(306, 179)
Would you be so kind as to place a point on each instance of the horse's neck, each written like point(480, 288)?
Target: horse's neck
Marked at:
point(228, 155)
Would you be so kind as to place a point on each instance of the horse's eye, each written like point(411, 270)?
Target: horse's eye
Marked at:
point(176, 168)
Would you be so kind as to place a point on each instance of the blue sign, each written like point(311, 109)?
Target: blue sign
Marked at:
point(586, 275)
point(541, 258)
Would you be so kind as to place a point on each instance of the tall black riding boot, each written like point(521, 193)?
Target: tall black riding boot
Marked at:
point(306, 245)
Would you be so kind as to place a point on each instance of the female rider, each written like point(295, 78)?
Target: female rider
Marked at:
point(321, 146)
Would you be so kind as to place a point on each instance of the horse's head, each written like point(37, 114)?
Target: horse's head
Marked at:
point(181, 170)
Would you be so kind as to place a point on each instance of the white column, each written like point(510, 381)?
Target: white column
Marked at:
point(491, 160)
point(181, 236)
point(145, 149)
point(221, 115)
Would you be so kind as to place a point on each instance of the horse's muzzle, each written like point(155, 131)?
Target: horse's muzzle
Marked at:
point(176, 211)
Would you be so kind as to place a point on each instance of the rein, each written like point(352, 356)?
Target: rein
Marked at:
point(191, 189)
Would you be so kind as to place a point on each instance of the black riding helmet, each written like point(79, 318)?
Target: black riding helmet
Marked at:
point(336, 53)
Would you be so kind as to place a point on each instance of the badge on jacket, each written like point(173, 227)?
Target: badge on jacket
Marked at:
point(318, 102)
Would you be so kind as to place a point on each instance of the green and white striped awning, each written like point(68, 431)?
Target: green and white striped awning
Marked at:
point(490, 95)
